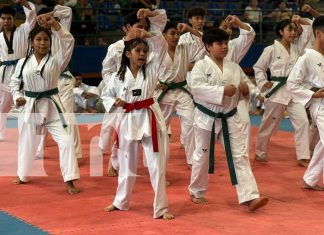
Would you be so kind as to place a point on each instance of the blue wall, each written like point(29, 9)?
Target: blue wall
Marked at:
point(89, 59)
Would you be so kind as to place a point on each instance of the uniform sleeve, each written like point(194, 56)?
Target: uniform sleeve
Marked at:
point(296, 79)
point(157, 23)
point(109, 64)
point(200, 87)
point(109, 94)
point(158, 48)
point(66, 42)
point(304, 38)
point(242, 44)
point(196, 50)
point(30, 21)
point(15, 82)
point(64, 13)
point(261, 67)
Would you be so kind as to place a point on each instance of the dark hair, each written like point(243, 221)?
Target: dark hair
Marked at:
point(196, 11)
point(129, 45)
point(283, 24)
point(318, 24)
point(132, 19)
point(214, 34)
point(44, 10)
point(37, 29)
point(8, 10)
point(76, 74)
point(170, 25)
point(218, 21)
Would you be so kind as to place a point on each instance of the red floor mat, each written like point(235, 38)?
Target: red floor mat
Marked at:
point(44, 202)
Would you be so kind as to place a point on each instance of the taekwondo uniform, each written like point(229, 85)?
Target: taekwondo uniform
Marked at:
point(309, 70)
point(110, 65)
point(65, 86)
point(140, 119)
point(11, 51)
point(276, 58)
point(207, 86)
point(43, 107)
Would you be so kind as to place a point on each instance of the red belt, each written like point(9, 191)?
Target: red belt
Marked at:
point(145, 104)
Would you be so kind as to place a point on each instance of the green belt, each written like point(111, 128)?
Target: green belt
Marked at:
point(282, 81)
point(173, 86)
point(229, 157)
point(47, 94)
point(6, 64)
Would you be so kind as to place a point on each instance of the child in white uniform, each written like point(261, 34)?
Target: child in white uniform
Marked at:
point(34, 86)
point(143, 19)
point(280, 58)
point(13, 46)
point(309, 70)
point(130, 91)
point(217, 85)
point(175, 94)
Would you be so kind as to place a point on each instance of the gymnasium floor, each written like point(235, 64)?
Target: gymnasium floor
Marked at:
point(43, 206)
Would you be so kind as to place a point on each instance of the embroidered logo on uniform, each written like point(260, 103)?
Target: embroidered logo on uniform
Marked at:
point(204, 150)
point(320, 64)
point(278, 57)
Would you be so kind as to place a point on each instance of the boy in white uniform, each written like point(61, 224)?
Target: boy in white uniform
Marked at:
point(217, 85)
point(13, 46)
point(309, 70)
point(237, 49)
point(85, 96)
point(175, 95)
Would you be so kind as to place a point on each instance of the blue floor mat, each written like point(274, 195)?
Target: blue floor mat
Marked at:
point(10, 225)
point(97, 118)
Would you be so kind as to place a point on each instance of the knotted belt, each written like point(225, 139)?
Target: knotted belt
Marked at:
point(282, 81)
point(229, 157)
point(6, 64)
point(173, 86)
point(145, 104)
point(47, 94)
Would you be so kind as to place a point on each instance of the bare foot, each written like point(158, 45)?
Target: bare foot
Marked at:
point(111, 171)
point(111, 207)
point(71, 188)
point(260, 159)
point(201, 200)
point(168, 216)
point(316, 187)
point(257, 203)
point(189, 166)
point(303, 162)
point(18, 181)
